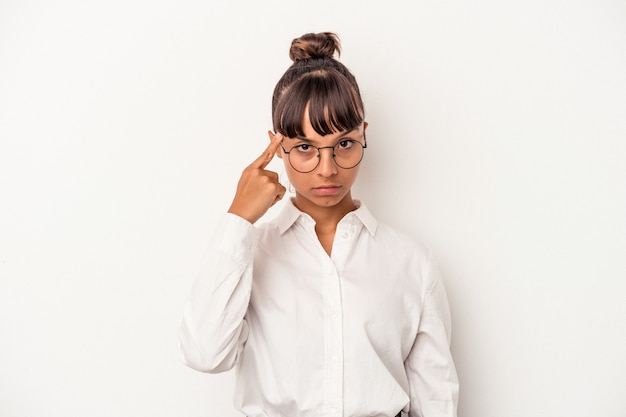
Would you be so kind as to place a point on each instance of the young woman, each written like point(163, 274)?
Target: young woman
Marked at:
point(324, 311)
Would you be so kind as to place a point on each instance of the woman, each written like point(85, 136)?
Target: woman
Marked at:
point(324, 311)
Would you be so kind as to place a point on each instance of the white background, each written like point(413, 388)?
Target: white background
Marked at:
point(497, 137)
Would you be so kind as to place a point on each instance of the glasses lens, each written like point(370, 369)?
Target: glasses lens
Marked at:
point(304, 158)
point(348, 153)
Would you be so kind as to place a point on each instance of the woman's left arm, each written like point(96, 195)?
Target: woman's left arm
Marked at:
point(430, 368)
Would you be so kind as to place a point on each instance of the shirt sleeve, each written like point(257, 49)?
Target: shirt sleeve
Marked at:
point(213, 328)
point(430, 368)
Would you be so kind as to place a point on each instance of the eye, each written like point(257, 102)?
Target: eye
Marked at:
point(345, 144)
point(304, 148)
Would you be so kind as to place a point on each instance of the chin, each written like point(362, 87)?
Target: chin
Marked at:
point(327, 201)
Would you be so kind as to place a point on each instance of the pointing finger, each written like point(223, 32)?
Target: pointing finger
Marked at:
point(268, 154)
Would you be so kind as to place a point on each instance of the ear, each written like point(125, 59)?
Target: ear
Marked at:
point(279, 151)
point(364, 129)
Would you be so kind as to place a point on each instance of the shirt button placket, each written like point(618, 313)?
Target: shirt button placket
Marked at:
point(334, 344)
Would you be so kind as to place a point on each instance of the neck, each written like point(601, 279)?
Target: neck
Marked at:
point(326, 218)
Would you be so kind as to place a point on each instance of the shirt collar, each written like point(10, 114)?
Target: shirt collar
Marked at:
point(290, 215)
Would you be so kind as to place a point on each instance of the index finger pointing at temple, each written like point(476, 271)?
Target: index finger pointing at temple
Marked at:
point(269, 152)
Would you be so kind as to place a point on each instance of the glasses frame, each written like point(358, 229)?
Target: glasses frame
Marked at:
point(319, 154)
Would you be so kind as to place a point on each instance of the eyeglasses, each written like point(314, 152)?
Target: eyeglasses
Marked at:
point(305, 157)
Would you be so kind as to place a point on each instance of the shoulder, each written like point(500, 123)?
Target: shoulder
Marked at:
point(272, 236)
point(387, 235)
point(412, 256)
point(270, 226)
point(403, 243)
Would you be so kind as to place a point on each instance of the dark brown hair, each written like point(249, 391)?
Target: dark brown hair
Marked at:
point(317, 80)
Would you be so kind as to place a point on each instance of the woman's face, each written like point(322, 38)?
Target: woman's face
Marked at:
point(328, 185)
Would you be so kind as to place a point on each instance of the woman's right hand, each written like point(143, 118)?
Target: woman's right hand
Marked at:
point(258, 189)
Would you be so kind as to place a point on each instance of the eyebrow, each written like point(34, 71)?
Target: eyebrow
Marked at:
point(304, 138)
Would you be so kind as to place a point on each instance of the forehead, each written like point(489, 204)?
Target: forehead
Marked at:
point(311, 135)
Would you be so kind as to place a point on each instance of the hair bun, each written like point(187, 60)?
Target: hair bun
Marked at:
point(314, 46)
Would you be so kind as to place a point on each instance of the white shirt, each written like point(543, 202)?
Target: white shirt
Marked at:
point(364, 332)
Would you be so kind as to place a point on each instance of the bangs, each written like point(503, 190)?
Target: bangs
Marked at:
point(333, 105)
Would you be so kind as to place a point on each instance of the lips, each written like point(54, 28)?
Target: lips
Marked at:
point(330, 189)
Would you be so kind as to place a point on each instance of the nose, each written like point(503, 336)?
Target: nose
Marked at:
point(327, 165)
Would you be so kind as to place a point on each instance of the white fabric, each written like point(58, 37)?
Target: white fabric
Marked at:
point(364, 332)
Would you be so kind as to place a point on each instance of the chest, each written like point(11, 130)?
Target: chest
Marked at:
point(359, 282)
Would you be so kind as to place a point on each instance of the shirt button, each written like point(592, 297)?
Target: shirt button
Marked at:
point(333, 313)
point(333, 409)
point(345, 235)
